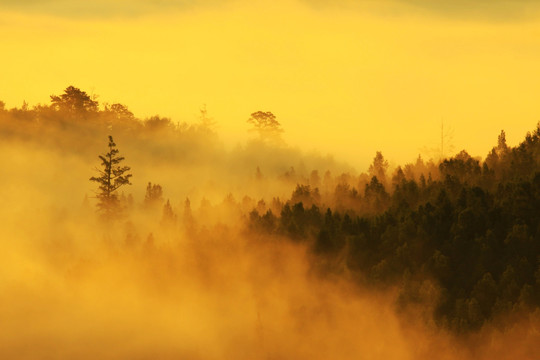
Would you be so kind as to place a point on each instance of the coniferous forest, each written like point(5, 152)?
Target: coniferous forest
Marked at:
point(107, 213)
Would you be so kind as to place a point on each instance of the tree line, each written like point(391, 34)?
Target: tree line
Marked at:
point(466, 233)
point(462, 231)
point(74, 120)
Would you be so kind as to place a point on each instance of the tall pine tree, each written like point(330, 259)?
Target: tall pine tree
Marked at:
point(111, 177)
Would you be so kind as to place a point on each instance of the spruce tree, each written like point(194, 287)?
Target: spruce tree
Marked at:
point(111, 177)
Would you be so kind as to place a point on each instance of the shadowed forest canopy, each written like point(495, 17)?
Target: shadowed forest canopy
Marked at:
point(454, 243)
point(471, 228)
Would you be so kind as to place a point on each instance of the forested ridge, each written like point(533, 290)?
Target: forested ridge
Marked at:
point(467, 230)
point(459, 237)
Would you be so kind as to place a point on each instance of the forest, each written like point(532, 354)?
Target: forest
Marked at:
point(93, 193)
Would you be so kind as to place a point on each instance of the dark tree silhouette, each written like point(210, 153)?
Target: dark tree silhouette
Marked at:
point(266, 125)
point(74, 101)
point(379, 167)
point(111, 177)
point(472, 233)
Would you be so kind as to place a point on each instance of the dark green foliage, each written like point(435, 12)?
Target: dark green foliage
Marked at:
point(470, 228)
point(475, 234)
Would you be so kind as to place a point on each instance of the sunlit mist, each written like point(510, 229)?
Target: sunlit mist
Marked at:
point(329, 70)
point(294, 179)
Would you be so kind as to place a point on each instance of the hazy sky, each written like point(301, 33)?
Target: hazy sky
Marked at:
point(345, 77)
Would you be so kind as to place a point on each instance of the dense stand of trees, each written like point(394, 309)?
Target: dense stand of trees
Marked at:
point(75, 120)
point(464, 232)
point(470, 238)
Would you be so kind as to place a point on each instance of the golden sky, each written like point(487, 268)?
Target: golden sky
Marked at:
point(343, 77)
